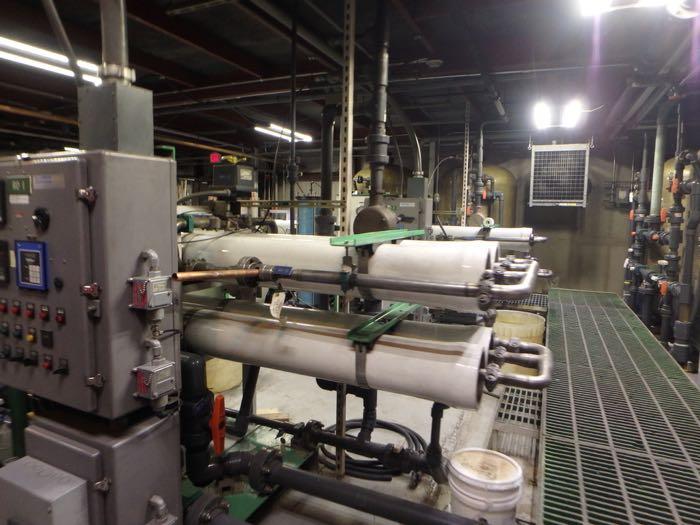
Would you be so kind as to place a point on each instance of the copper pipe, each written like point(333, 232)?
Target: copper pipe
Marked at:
point(215, 275)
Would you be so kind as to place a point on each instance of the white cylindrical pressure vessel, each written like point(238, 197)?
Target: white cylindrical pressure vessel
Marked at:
point(510, 239)
point(430, 261)
point(430, 361)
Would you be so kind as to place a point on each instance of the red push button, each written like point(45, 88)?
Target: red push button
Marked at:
point(44, 314)
point(16, 308)
point(29, 311)
point(3, 306)
point(60, 316)
point(47, 363)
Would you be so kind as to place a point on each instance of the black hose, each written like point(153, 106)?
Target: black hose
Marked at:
point(373, 469)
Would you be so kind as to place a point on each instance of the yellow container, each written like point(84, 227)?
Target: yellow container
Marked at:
point(223, 375)
point(525, 326)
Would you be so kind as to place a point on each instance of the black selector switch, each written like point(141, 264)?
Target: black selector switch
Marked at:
point(41, 219)
point(5, 328)
point(5, 351)
point(32, 359)
point(62, 368)
point(47, 338)
point(17, 355)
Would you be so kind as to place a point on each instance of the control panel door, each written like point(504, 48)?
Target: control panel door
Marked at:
point(47, 328)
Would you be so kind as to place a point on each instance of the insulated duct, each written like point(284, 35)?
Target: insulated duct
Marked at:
point(430, 361)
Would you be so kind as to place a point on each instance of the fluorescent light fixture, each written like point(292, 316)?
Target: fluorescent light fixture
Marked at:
point(283, 133)
point(594, 7)
point(572, 113)
point(303, 137)
point(70, 149)
point(49, 62)
point(27, 49)
point(267, 131)
point(542, 115)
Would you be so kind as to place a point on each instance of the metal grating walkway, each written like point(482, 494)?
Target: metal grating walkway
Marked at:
point(621, 426)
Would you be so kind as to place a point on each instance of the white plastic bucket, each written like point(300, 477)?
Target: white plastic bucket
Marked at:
point(484, 484)
point(525, 326)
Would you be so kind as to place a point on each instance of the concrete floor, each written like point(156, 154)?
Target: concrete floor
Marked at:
point(301, 399)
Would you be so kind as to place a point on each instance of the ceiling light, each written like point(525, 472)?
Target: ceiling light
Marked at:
point(280, 132)
point(267, 131)
point(27, 49)
point(572, 113)
point(4, 55)
point(594, 7)
point(542, 115)
point(303, 137)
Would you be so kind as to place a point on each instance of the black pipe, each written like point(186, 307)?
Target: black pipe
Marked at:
point(195, 413)
point(362, 499)
point(250, 382)
point(433, 453)
point(378, 140)
point(311, 434)
point(292, 173)
point(195, 434)
point(642, 206)
point(63, 40)
point(666, 312)
point(207, 193)
point(324, 221)
point(369, 403)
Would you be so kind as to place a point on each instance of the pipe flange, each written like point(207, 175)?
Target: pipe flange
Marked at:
point(116, 71)
point(249, 263)
point(205, 509)
point(260, 467)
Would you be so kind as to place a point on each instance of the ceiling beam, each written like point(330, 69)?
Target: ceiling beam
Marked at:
point(413, 26)
point(147, 14)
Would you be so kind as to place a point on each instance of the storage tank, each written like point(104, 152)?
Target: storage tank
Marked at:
point(669, 172)
point(504, 182)
point(657, 252)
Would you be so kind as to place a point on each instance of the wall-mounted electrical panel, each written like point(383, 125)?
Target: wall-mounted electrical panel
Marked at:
point(72, 231)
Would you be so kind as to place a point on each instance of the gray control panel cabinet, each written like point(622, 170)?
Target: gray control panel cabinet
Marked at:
point(57, 340)
point(123, 467)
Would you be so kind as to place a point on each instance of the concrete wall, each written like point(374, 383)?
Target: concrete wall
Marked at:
point(587, 246)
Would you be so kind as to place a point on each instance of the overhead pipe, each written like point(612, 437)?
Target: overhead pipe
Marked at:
point(115, 51)
point(62, 37)
point(378, 139)
point(292, 168)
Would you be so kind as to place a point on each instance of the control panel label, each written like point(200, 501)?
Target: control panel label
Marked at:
point(49, 182)
point(19, 186)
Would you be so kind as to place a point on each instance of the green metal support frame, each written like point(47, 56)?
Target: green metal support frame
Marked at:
point(372, 329)
point(365, 239)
